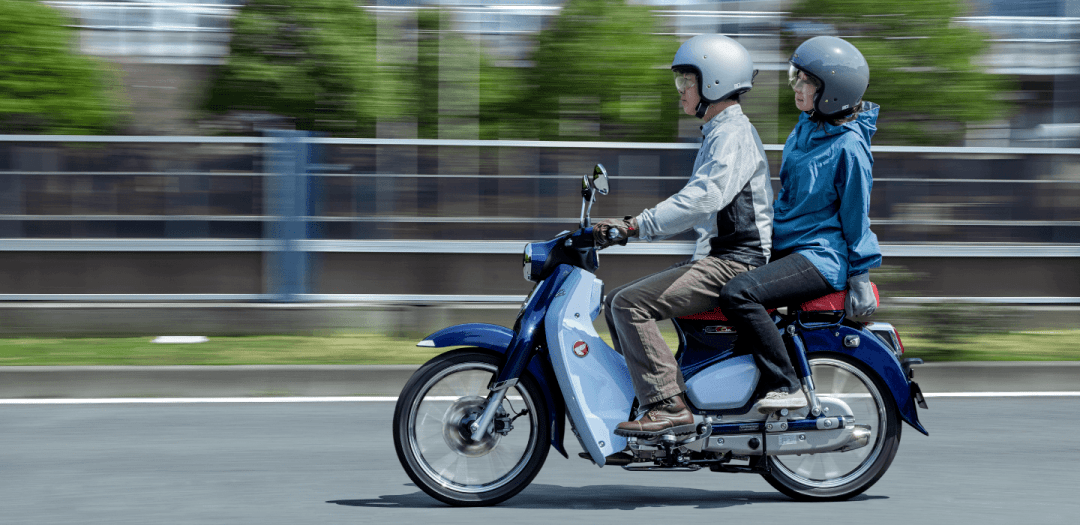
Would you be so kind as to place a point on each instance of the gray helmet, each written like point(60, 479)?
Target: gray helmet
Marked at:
point(840, 70)
point(723, 67)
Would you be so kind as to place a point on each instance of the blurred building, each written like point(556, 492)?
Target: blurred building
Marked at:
point(167, 49)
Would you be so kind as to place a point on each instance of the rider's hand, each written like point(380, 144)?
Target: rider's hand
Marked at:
point(860, 301)
point(627, 227)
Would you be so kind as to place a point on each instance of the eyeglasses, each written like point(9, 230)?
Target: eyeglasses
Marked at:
point(797, 83)
point(684, 81)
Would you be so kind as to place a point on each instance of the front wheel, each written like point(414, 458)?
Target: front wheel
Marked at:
point(842, 475)
point(435, 446)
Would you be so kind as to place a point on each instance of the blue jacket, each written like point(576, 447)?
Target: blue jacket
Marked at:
point(822, 211)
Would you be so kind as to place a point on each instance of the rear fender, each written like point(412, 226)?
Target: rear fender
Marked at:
point(497, 339)
point(874, 354)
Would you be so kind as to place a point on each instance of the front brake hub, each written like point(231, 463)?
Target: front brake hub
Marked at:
point(456, 432)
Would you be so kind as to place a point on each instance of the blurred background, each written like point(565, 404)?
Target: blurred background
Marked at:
point(256, 166)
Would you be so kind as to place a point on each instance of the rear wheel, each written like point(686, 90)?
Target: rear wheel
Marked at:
point(842, 475)
point(434, 444)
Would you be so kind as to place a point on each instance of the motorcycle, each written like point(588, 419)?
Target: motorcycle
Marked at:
point(473, 426)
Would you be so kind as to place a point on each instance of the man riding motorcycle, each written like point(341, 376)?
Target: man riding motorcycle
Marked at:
point(727, 201)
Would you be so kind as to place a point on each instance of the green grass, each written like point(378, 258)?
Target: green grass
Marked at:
point(373, 348)
point(1050, 345)
point(362, 348)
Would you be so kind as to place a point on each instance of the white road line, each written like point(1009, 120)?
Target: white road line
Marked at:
point(388, 399)
point(1004, 394)
point(194, 400)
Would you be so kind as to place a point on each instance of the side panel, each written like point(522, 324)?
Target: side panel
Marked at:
point(594, 380)
point(724, 385)
point(497, 338)
point(872, 352)
point(703, 343)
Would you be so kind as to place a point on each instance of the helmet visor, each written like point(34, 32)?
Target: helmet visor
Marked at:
point(684, 80)
point(796, 83)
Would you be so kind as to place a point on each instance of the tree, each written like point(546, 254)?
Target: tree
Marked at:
point(313, 61)
point(45, 85)
point(922, 66)
point(601, 73)
point(471, 96)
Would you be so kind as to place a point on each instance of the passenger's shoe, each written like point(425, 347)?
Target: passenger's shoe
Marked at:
point(670, 416)
point(779, 400)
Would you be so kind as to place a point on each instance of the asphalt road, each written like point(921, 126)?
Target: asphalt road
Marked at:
point(987, 461)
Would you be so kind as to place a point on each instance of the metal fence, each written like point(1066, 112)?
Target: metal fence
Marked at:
point(289, 194)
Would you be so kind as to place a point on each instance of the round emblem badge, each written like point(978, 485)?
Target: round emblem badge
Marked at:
point(581, 349)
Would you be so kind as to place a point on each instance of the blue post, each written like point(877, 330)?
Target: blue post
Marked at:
point(285, 192)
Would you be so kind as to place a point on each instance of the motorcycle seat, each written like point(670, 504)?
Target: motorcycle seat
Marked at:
point(827, 303)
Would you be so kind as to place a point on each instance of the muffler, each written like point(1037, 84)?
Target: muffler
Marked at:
point(860, 437)
point(842, 439)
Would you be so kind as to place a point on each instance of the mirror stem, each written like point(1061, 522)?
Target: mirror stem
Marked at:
point(584, 214)
point(588, 212)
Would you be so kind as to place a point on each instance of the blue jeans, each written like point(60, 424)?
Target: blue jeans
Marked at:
point(785, 281)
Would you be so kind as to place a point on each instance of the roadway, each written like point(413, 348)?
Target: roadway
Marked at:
point(988, 460)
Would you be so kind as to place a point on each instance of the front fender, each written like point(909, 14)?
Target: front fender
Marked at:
point(497, 338)
point(874, 354)
point(483, 335)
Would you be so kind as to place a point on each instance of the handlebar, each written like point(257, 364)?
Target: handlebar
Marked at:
point(583, 238)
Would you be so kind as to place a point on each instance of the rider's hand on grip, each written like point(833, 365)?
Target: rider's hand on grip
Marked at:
point(860, 301)
point(609, 232)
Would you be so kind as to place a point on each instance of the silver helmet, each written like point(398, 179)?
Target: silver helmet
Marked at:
point(722, 65)
point(839, 69)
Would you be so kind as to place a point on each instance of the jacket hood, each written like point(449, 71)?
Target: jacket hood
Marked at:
point(866, 122)
point(865, 125)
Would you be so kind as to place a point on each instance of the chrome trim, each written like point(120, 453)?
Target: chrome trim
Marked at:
point(526, 262)
point(480, 426)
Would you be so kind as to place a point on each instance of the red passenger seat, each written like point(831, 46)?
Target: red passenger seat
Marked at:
point(827, 303)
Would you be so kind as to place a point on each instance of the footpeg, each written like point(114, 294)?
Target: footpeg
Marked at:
point(660, 468)
point(680, 430)
point(617, 459)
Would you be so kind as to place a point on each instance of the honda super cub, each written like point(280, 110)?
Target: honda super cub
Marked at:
point(473, 426)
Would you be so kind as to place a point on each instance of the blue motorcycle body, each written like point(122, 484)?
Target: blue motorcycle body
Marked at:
point(466, 447)
point(587, 380)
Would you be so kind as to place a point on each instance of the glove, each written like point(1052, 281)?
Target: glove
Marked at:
point(860, 301)
point(627, 227)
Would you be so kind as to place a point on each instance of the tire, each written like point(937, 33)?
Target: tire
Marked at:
point(438, 454)
point(833, 476)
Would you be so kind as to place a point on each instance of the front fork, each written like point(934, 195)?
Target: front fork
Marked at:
point(520, 352)
point(494, 401)
point(521, 349)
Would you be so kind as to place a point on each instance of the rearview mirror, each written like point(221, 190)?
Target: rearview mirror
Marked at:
point(599, 179)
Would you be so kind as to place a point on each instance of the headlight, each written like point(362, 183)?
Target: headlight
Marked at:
point(536, 256)
point(526, 262)
point(532, 261)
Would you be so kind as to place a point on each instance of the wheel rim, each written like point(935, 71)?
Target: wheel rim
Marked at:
point(835, 378)
point(439, 439)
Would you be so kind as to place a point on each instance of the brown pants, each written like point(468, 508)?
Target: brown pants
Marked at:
point(633, 309)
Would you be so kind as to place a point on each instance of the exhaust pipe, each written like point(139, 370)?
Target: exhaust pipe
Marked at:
point(787, 443)
point(860, 437)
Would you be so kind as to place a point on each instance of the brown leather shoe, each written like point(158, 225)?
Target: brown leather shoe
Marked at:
point(667, 416)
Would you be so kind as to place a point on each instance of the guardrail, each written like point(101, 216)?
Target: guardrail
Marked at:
point(281, 205)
